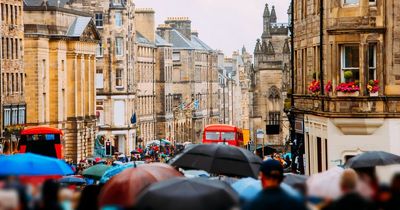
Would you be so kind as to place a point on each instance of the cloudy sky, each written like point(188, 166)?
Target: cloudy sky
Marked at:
point(222, 24)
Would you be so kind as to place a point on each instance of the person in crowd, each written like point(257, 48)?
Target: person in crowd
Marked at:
point(384, 197)
point(49, 196)
point(273, 196)
point(350, 199)
point(392, 203)
point(89, 198)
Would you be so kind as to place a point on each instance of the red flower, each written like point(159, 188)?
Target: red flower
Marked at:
point(349, 87)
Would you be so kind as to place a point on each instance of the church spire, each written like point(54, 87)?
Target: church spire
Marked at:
point(266, 23)
point(273, 15)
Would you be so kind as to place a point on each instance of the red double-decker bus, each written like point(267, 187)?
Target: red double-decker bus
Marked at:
point(223, 134)
point(41, 140)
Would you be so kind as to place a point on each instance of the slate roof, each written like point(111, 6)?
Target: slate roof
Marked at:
point(161, 42)
point(37, 3)
point(78, 26)
point(200, 43)
point(142, 40)
point(179, 41)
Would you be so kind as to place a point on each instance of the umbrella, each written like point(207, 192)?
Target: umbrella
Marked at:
point(118, 169)
point(195, 173)
point(294, 179)
point(29, 164)
point(72, 180)
point(372, 159)
point(184, 193)
point(96, 171)
point(325, 184)
point(219, 159)
point(123, 188)
point(248, 188)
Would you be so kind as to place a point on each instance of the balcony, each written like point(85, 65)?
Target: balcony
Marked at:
point(361, 106)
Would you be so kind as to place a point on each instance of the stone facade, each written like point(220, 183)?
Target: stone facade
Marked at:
point(60, 64)
point(13, 107)
point(270, 81)
point(194, 80)
point(115, 82)
point(145, 65)
point(361, 38)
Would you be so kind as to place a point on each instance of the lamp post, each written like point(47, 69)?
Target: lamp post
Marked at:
point(290, 113)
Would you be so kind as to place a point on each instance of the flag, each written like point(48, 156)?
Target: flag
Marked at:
point(133, 118)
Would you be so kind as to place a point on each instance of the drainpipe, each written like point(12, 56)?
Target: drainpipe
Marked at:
point(321, 52)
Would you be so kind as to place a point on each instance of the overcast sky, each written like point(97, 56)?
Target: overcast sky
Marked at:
point(222, 24)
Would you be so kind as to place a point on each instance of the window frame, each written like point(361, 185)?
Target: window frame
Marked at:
point(99, 50)
point(119, 78)
point(374, 68)
point(119, 46)
point(99, 20)
point(343, 68)
point(118, 21)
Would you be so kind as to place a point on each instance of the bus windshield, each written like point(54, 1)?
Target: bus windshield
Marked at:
point(212, 135)
point(228, 136)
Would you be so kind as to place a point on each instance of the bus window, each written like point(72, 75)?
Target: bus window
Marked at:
point(228, 136)
point(50, 137)
point(212, 135)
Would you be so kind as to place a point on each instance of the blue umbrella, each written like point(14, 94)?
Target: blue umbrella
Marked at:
point(72, 180)
point(118, 169)
point(248, 188)
point(29, 164)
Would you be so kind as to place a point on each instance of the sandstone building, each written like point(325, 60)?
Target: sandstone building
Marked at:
point(60, 63)
point(269, 86)
point(13, 107)
point(115, 79)
point(194, 79)
point(360, 40)
point(145, 65)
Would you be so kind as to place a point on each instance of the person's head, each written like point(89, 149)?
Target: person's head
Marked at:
point(271, 173)
point(50, 190)
point(89, 198)
point(348, 181)
point(395, 183)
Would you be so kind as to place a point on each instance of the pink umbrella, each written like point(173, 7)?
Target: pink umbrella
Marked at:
point(325, 184)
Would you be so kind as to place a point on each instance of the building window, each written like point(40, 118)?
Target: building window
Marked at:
point(99, 79)
point(274, 118)
point(119, 46)
point(350, 2)
point(99, 50)
point(99, 19)
point(176, 56)
point(372, 62)
point(14, 116)
point(7, 117)
point(118, 77)
point(21, 116)
point(22, 83)
point(118, 19)
point(350, 63)
point(372, 2)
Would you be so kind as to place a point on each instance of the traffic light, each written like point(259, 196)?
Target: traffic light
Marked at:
point(108, 148)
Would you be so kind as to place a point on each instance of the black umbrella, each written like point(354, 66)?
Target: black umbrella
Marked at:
point(219, 159)
point(372, 159)
point(294, 179)
point(184, 194)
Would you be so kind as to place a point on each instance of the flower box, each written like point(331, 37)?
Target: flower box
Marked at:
point(374, 94)
point(347, 94)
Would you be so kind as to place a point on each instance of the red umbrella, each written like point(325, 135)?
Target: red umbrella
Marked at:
point(122, 189)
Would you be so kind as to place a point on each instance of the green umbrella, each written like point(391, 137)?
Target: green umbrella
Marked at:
point(96, 171)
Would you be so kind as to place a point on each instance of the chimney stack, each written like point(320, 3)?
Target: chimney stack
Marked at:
point(182, 24)
point(163, 30)
point(145, 24)
point(195, 33)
